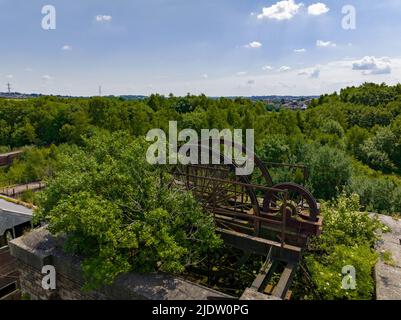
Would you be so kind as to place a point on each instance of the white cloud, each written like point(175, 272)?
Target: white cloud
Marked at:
point(47, 77)
point(282, 10)
point(373, 65)
point(103, 18)
point(333, 76)
point(242, 73)
point(66, 48)
point(253, 45)
point(310, 73)
point(267, 68)
point(317, 9)
point(325, 44)
point(300, 50)
point(9, 76)
point(205, 76)
point(315, 74)
point(284, 68)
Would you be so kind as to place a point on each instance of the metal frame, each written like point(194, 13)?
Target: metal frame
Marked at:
point(262, 218)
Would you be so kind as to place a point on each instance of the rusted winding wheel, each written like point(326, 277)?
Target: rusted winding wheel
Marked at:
point(300, 202)
point(217, 185)
point(223, 193)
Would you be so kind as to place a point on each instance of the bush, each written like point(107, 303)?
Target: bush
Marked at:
point(329, 169)
point(274, 148)
point(333, 127)
point(378, 151)
point(347, 240)
point(380, 194)
point(328, 278)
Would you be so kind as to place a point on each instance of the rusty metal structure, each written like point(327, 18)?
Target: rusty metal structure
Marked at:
point(254, 214)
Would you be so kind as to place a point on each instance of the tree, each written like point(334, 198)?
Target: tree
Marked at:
point(356, 136)
point(118, 212)
point(329, 171)
point(378, 151)
point(333, 127)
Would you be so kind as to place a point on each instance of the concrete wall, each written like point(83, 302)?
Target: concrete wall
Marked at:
point(388, 275)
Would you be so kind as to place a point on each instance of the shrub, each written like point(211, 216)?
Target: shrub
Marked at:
point(347, 240)
point(380, 194)
point(333, 127)
point(329, 169)
point(328, 278)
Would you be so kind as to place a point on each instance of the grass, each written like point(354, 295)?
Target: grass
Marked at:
point(387, 258)
point(19, 202)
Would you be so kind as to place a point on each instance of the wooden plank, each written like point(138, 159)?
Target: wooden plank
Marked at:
point(285, 281)
point(245, 224)
point(261, 277)
point(260, 246)
point(264, 242)
point(269, 289)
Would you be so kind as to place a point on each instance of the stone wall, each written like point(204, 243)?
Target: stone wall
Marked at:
point(38, 248)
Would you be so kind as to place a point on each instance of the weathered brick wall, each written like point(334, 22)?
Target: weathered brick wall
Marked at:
point(66, 288)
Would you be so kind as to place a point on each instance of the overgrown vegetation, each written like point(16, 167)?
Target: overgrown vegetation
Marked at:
point(116, 210)
point(350, 140)
point(348, 240)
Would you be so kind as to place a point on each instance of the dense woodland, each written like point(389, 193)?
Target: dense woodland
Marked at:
point(350, 141)
point(88, 148)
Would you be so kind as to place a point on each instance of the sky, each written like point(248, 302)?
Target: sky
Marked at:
point(215, 47)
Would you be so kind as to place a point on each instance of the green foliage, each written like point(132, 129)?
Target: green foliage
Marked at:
point(333, 127)
point(34, 165)
point(361, 123)
point(370, 94)
point(378, 194)
point(327, 273)
point(274, 148)
point(345, 224)
point(118, 212)
point(356, 136)
point(329, 170)
point(378, 151)
point(347, 240)
point(388, 259)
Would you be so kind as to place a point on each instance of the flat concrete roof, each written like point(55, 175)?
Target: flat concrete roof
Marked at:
point(13, 207)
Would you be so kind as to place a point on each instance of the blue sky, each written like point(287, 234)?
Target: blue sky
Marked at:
point(216, 47)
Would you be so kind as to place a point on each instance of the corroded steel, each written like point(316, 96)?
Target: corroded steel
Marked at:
point(254, 214)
